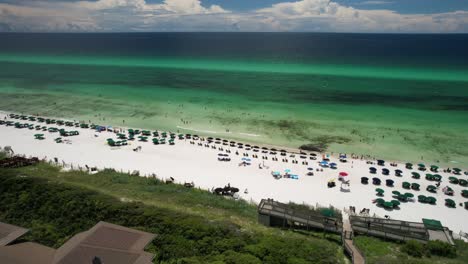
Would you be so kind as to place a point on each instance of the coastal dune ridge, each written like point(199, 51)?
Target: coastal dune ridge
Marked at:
point(187, 162)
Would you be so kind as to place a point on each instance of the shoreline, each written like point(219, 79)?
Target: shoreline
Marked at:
point(189, 162)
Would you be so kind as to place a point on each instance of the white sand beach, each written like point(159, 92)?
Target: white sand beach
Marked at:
point(187, 162)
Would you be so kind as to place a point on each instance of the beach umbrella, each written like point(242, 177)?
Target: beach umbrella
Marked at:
point(287, 170)
point(434, 167)
point(409, 165)
point(396, 193)
point(406, 185)
point(380, 162)
point(408, 195)
point(313, 154)
point(437, 177)
point(310, 168)
point(372, 170)
point(218, 139)
point(422, 199)
point(449, 202)
point(333, 164)
point(453, 180)
point(324, 162)
point(415, 186)
point(380, 201)
point(431, 200)
point(379, 191)
point(463, 182)
point(398, 172)
point(415, 175)
point(395, 203)
point(465, 193)
point(385, 171)
point(431, 188)
point(388, 204)
point(343, 174)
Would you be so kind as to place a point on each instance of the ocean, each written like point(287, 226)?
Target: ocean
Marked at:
point(397, 97)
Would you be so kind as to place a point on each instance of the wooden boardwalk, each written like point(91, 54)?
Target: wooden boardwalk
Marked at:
point(357, 256)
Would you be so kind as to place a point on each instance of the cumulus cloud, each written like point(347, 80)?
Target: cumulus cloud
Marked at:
point(193, 15)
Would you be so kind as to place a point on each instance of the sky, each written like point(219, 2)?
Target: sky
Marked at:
point(367, 16)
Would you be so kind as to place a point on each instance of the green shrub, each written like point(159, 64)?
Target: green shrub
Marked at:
point(414, 248)
point(442, 249)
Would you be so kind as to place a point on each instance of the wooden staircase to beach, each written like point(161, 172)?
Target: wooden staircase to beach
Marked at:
point(357, 256)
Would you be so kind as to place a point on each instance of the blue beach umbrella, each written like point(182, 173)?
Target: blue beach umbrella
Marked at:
point(287, 170)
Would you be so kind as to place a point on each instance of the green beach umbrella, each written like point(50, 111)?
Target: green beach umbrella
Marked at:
point(409, 195)
point(450, 203)
point(463, 182)
point(437, 177)
point(380, 201)
point(415, 186)
point(388, 204)
point(379, 191)
point(431, 188)
point(396, 193)
point(415, 175)
point(406, 185)
point(395, 203)
point(409, 165)
point(143, 138)
point(421, 165)
point(453, 180)
point(465, 193)
point(121, 136)
point(421, 198)
point(431, 200)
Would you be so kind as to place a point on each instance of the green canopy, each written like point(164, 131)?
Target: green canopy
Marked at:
point(421, 165)
point(388, 204)
point(437, 177)
point(406, 185)
point(421, 198)
point(434, 167)
point(379, 190)
point(328, 212)
point(395, 203)
point(396, 193)
point(379, 201)
point(415, 174)
point(450, 202)
point(465, 192)
point(431, 200)
point(409, 195)
point(453, 179)
point(463, 182)
point(432, 224)
point(431, 188)
point(457, 169)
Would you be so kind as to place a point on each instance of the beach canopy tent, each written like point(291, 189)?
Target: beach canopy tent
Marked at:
point(422, 199)
point(395, 203)
point(376, 181)
point(415, 175)
point(432, 224)
point(364, 180)
point(388, 205)
point(379, 191)
point(409, 165)
point(431, 199)
point(450, 203)
point(453, 180)
point(379, 201)
point(398, 172)
point(328, 212)
point(464, 193)
point(385, 171)
point(463, 182)
point(372, 170)
point(406, 185)
point(431, 188)
point(389, 183)
point(381, 162)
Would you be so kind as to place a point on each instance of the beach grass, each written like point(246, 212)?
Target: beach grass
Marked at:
point(193, 226)
point(380, 251)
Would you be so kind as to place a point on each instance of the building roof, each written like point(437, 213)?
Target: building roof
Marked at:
point(110, 243)
point(26, 253)
point(9, 233)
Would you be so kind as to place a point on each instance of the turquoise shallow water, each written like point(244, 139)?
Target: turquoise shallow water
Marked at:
point(393, 107)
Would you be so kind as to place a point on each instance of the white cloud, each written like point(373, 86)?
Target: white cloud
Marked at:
point(192, 15)
point(377, 2)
